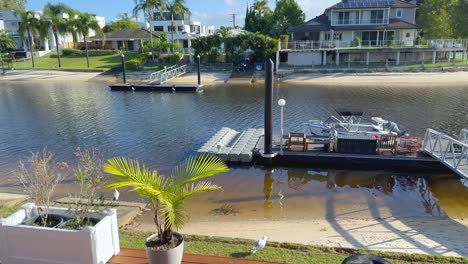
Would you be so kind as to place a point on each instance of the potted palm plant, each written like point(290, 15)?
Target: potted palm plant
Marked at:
point(166, 196)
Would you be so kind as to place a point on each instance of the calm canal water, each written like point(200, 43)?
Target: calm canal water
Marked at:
point(163, 129)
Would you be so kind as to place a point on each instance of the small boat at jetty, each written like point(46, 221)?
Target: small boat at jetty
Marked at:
point(350, 123)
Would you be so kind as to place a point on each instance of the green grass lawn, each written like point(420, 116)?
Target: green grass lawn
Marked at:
point(97, 63)
point(278, 252)
point(6, 211)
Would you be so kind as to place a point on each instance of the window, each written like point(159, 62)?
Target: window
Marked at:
point(408, 35)
point(343, 18)
point(399, 13)
point(158, 28)
point(377, 17)
point(336, 36)
point(180, 28)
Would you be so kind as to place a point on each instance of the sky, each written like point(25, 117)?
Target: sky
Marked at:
point(209, 12)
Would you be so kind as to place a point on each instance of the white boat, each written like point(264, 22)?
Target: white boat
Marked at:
point(351, 124)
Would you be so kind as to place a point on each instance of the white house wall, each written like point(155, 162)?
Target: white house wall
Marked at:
point(304, 58)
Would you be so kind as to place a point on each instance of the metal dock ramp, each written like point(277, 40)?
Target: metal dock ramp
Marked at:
point(452, 152)
point(233, 146)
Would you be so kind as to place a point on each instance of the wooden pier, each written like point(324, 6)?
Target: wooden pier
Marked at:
point(154, 88)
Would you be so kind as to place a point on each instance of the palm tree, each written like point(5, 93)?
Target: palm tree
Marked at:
point(30, 25)
point(148, 7)
point(261, 7)
point(59, 24)
point(166, 194)
point(6, 42)
point(83, 23)
point(176, 7)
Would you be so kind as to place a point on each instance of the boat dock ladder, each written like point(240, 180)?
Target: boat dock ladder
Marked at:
point(167, 74)
point(452, 152)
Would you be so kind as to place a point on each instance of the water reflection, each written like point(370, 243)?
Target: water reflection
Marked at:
point(402, 195)
point(267, 189)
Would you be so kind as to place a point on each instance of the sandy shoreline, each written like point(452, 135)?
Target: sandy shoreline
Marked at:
point(423, 235)
point(398, 79)
point(327, 79)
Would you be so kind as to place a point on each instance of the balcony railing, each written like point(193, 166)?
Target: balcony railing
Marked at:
point(346, 22)
point(337, 44)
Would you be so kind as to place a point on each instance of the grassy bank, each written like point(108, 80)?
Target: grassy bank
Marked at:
point(96, 63)
point(279, 252)
point(8, 210)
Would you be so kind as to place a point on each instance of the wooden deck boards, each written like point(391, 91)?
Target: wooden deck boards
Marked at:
point(138, 256)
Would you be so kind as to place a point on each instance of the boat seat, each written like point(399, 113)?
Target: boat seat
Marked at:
point(297, 140)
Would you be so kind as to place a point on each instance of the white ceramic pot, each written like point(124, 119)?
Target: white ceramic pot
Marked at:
point(172, 256)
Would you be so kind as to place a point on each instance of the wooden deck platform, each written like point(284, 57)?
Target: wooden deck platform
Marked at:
point(138, 256)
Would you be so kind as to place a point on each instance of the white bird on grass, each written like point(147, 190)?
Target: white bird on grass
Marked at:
point(116, 195)
point(259, 245)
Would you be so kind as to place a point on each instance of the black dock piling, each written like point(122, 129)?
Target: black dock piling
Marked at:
point(123, 69)
point(199, 75)
point(268, 109)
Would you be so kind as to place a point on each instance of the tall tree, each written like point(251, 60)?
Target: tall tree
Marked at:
point(259, 18)
point(461, 19)
point(84, 23)
point(290, 11)
point(17, 5)
point(59, 24)
point(148, 7)
point(29, 25)
point(121, 24)
point(176, 8)
point(436, 18)
point(6, 42)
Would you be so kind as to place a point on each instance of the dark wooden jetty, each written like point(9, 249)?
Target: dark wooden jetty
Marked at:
point(417, 163)
point(154, 88)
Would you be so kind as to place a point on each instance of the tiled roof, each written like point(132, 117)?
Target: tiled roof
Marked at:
point(356, 4)
point(127, 34)
point(320, 23)
point(315, 25)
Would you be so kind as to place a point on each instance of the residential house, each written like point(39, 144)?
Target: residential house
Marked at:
point(185, 29)
point(10, 21)
point(130, 39)
point(375, 22)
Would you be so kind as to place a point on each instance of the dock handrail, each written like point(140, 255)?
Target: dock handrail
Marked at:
point(156, 76)
point(451, 152)
point(464, 135)
point(173, 73)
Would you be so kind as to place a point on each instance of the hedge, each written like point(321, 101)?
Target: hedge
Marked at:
point(81, 53)
point(137, 63)
point(172, 59)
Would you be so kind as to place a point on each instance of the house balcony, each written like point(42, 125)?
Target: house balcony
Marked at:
point(354, 22)
point(338, 44)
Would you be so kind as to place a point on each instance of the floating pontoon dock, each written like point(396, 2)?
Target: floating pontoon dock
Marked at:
point(154, 88)
point(247, 148)
point(233, 146)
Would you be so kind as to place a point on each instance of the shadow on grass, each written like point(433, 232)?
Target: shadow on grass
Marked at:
point(240, 254)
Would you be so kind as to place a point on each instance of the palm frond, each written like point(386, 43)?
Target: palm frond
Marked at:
point(198, 188)
point(197, 168)
point(174, 214)
point(129, 173)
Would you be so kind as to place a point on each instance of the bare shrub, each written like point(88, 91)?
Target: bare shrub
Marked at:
point(90, 178)
point(40, 179)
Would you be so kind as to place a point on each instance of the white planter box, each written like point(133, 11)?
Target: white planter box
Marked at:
point(20, 244)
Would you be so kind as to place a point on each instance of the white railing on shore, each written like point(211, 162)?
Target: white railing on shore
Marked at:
point(451, 152)
point(167, 74)
point(337, 44)
point(447, 43)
